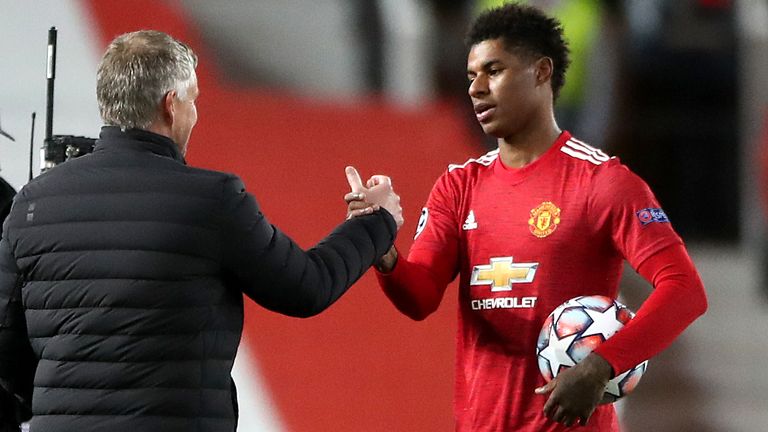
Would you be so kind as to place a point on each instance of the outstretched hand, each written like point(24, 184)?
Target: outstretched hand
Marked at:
point(575, 392)
point(377, 193)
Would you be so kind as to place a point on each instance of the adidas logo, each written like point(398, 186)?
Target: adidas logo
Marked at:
point(470, 223)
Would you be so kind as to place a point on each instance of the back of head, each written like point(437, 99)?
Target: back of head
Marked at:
point(526, 31)
point(136, 71)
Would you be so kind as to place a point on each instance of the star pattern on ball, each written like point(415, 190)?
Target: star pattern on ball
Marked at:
point(556, 353)
point(591, 326)
point(557, 312)
point(603, 323)
point(613, 385)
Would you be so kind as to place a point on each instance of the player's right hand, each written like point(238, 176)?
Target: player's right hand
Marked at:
point(378, 192)
point(575, 392)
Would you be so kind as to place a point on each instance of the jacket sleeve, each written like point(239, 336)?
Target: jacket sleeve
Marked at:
point(276, 273)
point(17, 362)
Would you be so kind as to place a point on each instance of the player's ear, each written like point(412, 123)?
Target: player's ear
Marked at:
point(544, 67)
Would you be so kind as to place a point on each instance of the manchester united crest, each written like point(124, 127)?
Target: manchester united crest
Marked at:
point(544, 219)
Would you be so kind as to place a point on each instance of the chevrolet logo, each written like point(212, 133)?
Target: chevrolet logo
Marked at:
point(502, 273)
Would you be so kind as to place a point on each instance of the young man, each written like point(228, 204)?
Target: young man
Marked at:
point(122, 272)
point(542, 219)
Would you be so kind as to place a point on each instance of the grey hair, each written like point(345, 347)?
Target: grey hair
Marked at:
point(136, 72)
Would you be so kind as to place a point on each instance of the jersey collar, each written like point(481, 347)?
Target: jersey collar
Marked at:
point(517, 175)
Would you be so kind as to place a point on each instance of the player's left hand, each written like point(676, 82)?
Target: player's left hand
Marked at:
point(576, 391)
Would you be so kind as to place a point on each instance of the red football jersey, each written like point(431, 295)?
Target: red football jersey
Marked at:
point(523, 241)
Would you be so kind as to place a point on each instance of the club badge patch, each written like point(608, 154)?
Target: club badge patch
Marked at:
point(648, 215)
point(544, 219)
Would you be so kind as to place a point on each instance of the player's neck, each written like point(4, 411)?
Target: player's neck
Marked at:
point(521, 149)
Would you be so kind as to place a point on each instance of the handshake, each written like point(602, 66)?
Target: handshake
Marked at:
point(375, 194)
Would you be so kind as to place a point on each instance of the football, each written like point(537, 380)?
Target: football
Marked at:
point(577, 327)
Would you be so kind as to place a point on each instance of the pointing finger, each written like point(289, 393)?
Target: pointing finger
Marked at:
point(353, 178)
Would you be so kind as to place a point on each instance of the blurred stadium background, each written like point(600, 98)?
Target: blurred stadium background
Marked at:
point(292, 91)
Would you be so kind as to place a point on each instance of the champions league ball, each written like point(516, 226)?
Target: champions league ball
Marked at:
point(577, 327)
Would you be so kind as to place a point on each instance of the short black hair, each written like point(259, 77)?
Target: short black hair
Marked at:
point(525, 30)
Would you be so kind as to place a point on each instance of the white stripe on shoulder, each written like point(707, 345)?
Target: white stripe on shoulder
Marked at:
point(579, 155)
point(599, 155)
point(580, 150)
point(486, 159)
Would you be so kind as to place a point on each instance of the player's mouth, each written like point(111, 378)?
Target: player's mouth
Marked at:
point(484, 112)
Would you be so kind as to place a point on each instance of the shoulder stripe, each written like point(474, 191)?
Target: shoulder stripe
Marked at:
point(578, 155)
point(583, 151)
point(486, 160)
point(600, 155)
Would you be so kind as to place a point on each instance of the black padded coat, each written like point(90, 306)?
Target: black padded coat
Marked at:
point(121, 277)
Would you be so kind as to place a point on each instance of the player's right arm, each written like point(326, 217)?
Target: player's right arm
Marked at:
point(414, 288)
point(416, 284)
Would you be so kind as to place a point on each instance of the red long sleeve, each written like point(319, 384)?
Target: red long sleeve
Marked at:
point(412, 288)
point(677, 300)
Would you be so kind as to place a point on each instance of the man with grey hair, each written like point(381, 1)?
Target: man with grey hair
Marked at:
point(122, 271)
point(136, 72)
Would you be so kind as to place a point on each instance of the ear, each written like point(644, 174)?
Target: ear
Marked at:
point(544, 68)
point(169, 107)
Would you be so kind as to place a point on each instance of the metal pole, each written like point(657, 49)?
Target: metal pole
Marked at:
point(51, 75)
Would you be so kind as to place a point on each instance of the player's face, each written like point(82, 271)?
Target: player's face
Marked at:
point(504, 88)
point(185, 115)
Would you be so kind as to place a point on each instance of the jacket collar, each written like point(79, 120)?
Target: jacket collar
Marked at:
point(114, 137)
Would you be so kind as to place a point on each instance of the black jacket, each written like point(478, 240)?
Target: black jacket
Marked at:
point(126, 270)
point(6, 197)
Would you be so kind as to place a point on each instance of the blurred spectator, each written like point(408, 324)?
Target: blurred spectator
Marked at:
point(448, 60)
point(763, 182)
point(405, 48)
point(317, 52)
point(763, 188)
point(448, 52)
point(677, 124)
point(369, 24)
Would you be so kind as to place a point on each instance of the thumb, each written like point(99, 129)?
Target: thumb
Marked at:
point(380, 179)
point(353, 178)
point(546, 388)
